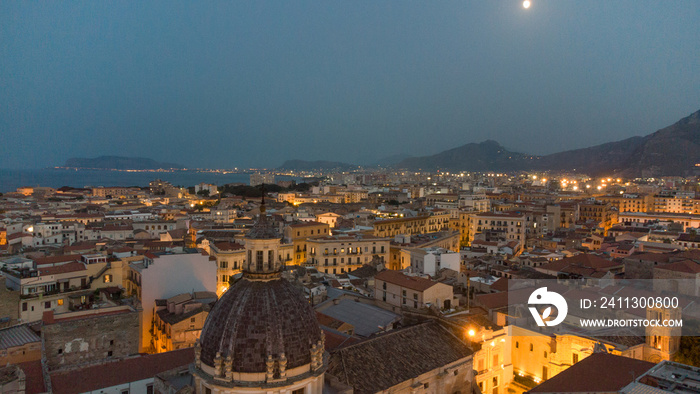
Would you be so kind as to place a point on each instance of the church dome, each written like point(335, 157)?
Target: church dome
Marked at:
point(262, 331)
point(257, 321)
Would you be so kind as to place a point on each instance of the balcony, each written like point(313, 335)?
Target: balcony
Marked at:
point(53, 292)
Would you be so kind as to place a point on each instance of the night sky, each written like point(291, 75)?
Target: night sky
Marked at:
point(224, 84)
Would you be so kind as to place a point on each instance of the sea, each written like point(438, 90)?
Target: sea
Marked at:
point(10, 179)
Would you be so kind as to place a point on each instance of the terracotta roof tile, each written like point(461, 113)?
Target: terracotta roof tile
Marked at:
point(387, 360)
point(400, 279)
point(62, 269)
point(599, 372)
point(118, 372)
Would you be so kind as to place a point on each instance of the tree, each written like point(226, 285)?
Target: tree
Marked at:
point(688, 352)
point(203, 193)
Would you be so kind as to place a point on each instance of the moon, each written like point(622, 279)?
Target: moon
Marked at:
point(526, 4)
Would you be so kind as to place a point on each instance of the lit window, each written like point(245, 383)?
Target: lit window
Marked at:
point(59, 302)
point(108, 278)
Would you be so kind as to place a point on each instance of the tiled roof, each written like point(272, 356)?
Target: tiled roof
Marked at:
point(387, 360)
point(365, 318)
point(335, 339)
point(62, 269)
point(34, 383)
point(118, 372)
point(306, 224)
point(254, 319)
point(581, 263)
point(687, 266)
point(597, 373)
point(328, 321)
point(228, 246)
point(17, 336)
point(174, 318)
point(57, 259)
point(400, 279)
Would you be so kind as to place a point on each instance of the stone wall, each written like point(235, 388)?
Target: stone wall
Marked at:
point(9, 304)
point(91, 339)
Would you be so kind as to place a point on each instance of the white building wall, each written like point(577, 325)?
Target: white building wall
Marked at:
point(170, 275)
point(139, 386)
point(450, 260)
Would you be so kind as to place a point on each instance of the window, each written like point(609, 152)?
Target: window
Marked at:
point(575, 358)
point(47, 304)
point(495, 361)
point(224, 264)
point(108, 278)
point(111, 342)
point(259, 260)
point(545, 354)
point(149, 389)
point(60, 351)
point(531, 347)
point(59, 301)
point(109, 354)
point(24, 307)
point(517, 345)
point(207, 390)
point(404, 293)
point(193, 319)
point(299, 391)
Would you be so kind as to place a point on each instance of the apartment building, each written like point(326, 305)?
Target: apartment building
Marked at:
point(438, 220)
point(600, 212)
point(399, 289)
point(298, 233)
point(57, 284)
point(178, 320)
point(685, 203)
point(338, 254)
point(630, 202)
point(230, 257)
point(508, 226)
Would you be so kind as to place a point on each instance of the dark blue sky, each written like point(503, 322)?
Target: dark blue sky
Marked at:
point(224, 84)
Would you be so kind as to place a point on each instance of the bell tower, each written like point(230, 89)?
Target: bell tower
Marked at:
point(262, 244)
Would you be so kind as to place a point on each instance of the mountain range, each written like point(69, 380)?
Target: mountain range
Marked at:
point(673, 150)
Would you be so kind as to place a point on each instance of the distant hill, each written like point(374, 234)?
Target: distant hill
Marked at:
point(305, 165)
point(391, 160)
point(119, 163)
point(673, 150)
point(486, 156)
